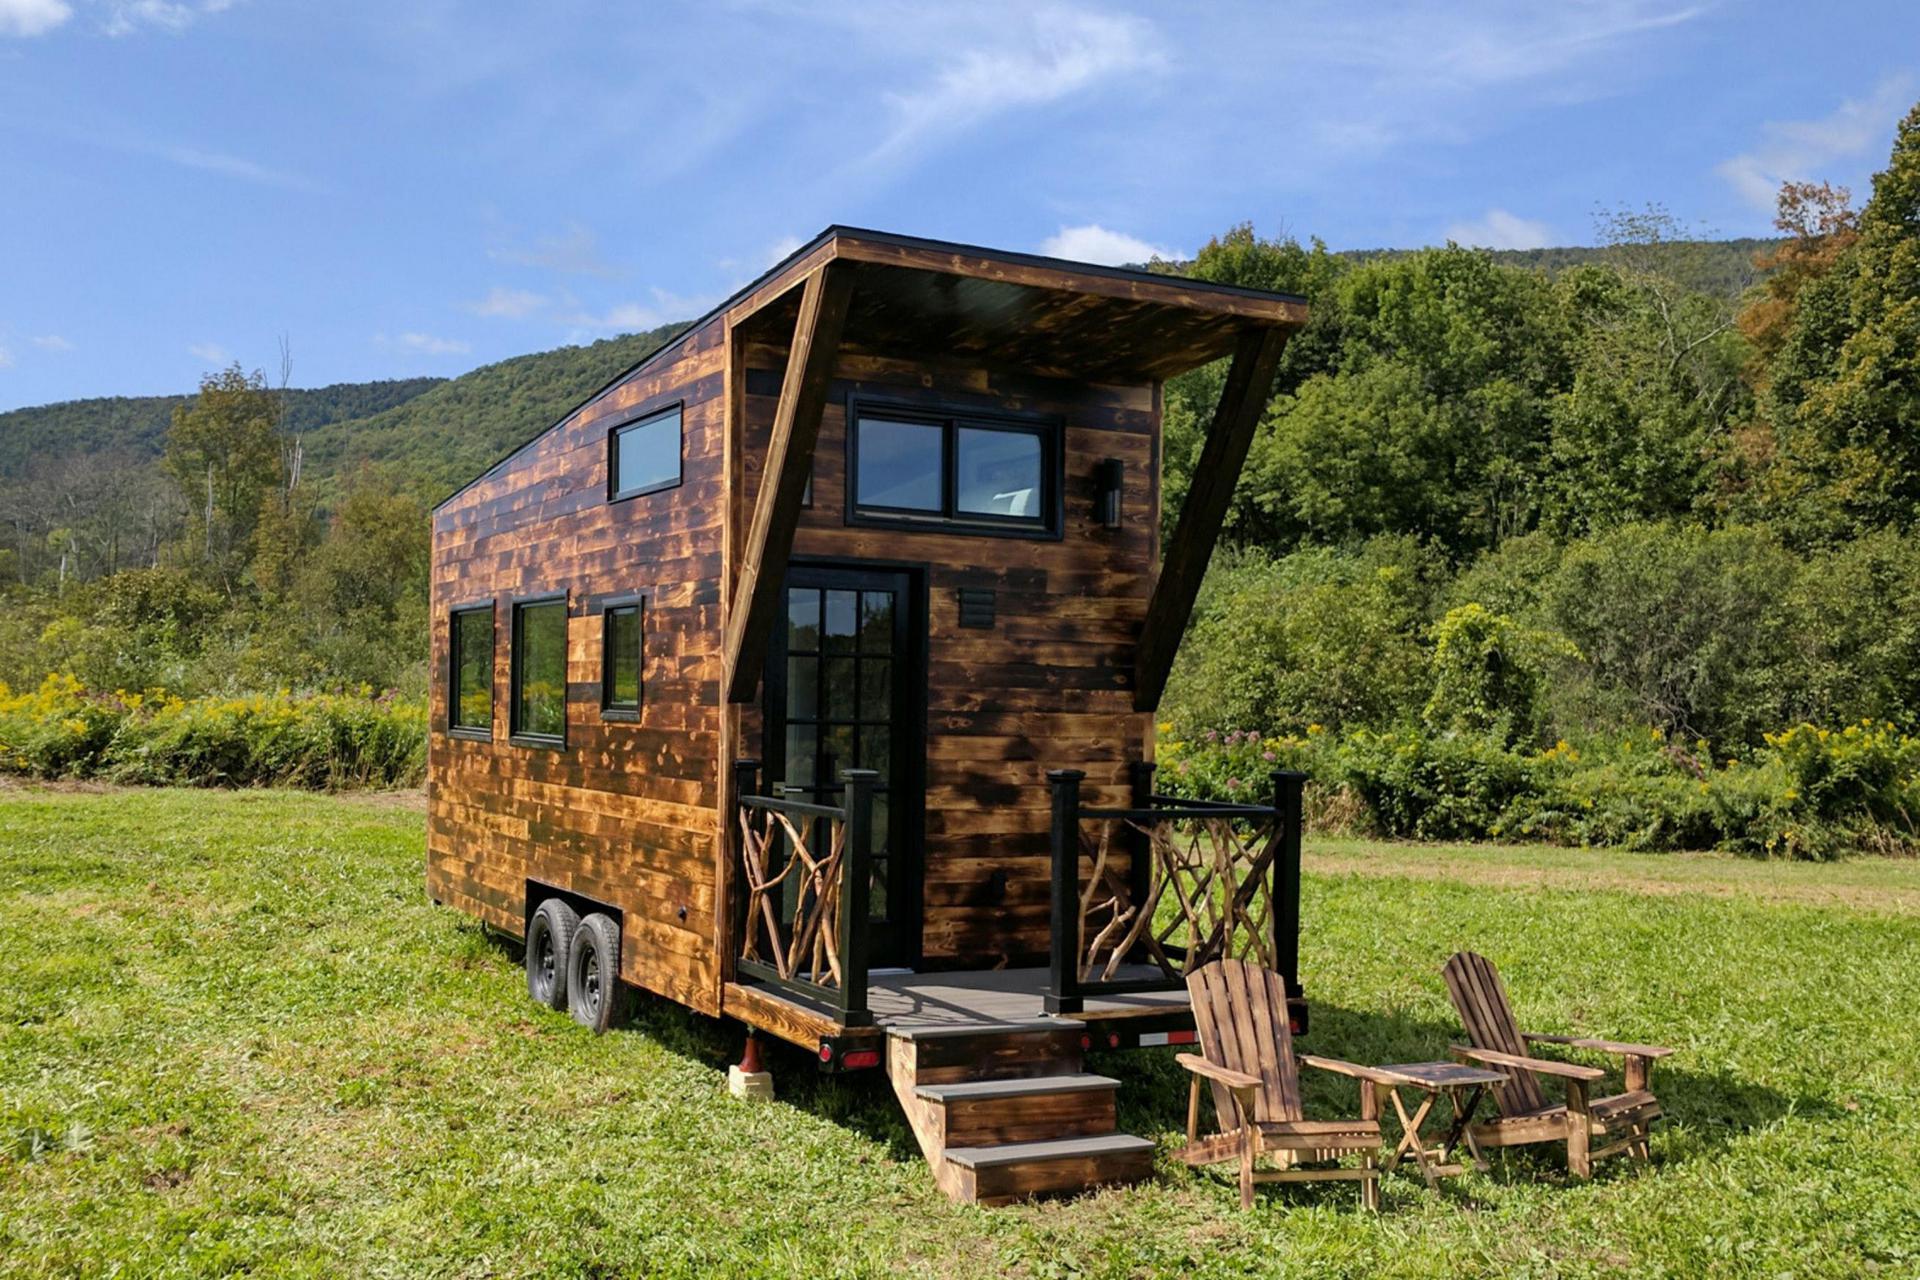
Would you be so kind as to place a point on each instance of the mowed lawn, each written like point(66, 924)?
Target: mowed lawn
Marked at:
point(235, 1037)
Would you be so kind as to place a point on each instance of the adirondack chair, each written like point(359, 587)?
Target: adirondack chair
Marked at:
point(1246, 1055)
point(1525, 1114)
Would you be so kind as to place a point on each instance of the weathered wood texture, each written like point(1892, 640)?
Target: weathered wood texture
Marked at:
point(627, 812)
point(1050, 684)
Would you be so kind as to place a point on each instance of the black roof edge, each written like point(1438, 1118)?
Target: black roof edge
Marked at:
point(833, 231)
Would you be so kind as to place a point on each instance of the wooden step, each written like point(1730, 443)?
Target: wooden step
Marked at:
point(1013, 1171)
point(980, 1113)
point(952, 1057)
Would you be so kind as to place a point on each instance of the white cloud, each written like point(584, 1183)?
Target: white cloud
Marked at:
point(6, 358)
point(1498, 229)
point(427, 344)
point(1095, 243)
point(508, 304)
point(52, 342)
point(32, 17)
point(1798, 150)
point(631, 317)
point(1056, 53)
point(230, 166)
point(211, 352)
point(573, 252)
point(124, 17)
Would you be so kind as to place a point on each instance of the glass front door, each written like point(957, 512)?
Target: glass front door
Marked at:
point(838, 678)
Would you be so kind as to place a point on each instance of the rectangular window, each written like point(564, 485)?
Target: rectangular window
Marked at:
point(622, 658)
point(987, 474)
point(644, 456)
point(470, 683)
point(540, 671)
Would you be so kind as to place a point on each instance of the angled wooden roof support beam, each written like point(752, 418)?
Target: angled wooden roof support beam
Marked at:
point(776, 512)
point(1256, 357)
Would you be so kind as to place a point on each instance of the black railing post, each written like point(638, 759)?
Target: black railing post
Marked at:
point(1288, 786)
point(1063, 991)
point(856, 893)
point(746, 774)
point(1139, 843)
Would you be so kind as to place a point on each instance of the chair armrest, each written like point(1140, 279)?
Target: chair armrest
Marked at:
point(1340, 1067)
point(1599, 1046)
point(1236, 1080)
point(1545, 1066)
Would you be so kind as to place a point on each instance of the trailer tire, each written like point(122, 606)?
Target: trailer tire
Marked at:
point(593, 973)
point(550, 936)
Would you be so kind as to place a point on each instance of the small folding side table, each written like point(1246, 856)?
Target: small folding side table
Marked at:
point(1463, 1086)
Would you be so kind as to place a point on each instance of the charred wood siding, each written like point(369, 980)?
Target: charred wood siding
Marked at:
point(1050, 683)
point(627, 812)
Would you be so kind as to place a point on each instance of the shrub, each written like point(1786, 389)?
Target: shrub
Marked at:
point(316, 740)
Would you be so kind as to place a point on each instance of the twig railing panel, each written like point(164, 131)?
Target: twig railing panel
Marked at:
point(1206, 880)
point(802, 892)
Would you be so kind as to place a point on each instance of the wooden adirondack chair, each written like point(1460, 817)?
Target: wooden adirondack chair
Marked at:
point(1240, 1013)
point(1525, 1114)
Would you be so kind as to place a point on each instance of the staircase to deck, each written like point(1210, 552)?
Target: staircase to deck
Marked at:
point(1004, 1113)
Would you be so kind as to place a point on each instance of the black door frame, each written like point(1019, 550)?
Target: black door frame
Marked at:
point(907, 791)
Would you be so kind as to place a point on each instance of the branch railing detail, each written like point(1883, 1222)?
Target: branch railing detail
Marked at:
point(1203, 880)
point(802, 892)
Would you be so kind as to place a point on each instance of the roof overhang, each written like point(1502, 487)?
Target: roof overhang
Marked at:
point(914, 297)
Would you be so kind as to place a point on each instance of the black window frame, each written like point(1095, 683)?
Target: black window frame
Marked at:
point(1050, 430)
point(609, 709)
point(454, 728)
point(515, 734)
point(647, 419)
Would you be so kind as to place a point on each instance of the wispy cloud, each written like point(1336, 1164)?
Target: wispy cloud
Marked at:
point(508, 304)
point(630, 317)
point(1801, 150)
point(573, 252)
point(27, 18)
point(230, 166)
point(52, 342)
point(1498, 229)
point(211, 352)
point(1098, 244)
point(1055, 53)
point(124, 17)
point(6, 357)
point(424, 343)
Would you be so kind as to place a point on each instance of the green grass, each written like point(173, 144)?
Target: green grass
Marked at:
point(234, 1037)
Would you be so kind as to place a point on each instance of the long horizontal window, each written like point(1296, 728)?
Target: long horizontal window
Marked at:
point(470, 667)
point(644, 456)
point(955, 470)
point(540, 671)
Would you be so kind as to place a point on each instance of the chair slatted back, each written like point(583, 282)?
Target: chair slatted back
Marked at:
point(1481, 1001)
point(1240, 1015)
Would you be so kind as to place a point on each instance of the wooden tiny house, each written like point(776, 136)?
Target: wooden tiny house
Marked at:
point(805, 675)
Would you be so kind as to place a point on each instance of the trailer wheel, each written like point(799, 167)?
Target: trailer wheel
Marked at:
point(593, 972)
point(550, 937)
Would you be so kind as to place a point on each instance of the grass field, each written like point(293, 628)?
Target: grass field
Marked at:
point(235, 1037)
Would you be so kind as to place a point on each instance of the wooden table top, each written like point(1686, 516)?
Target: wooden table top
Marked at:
point(1445, 1075)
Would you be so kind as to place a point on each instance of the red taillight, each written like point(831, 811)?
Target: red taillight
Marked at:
point(1113, 1040)
point(1182, 1037)
point(860, 1058)
point(826, 1053)
point(1086, 1041)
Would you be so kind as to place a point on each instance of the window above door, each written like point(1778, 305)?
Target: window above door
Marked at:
point(959, 472)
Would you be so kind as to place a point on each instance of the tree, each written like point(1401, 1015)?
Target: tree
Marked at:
point(223, 451)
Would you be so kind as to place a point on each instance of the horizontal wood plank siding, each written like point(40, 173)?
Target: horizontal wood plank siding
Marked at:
point(626, 812)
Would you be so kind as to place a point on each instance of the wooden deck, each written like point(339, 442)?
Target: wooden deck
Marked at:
point(919, 1004)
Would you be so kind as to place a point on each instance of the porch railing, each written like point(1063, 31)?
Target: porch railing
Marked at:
point(1202, 880)
point(802, 892)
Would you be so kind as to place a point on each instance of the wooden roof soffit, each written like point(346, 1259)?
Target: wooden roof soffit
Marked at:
point(1256, 358)
point(776, 512)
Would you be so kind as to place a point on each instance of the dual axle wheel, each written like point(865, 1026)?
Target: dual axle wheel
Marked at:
point(573, 963)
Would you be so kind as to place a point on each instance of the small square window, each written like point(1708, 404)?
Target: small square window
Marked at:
point(644, 456)
point(622, 658)
point(539, 670)
point(900, 465)
point(997, 473)
point(470, 667)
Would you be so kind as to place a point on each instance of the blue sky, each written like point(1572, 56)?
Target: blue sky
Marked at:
point(404, 188)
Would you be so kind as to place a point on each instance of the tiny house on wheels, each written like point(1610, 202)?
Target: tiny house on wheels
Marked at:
point(805, 675)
